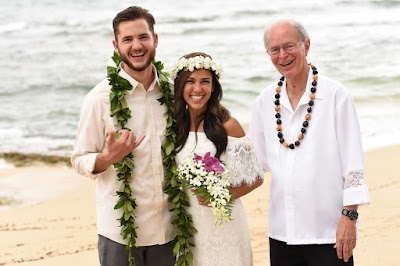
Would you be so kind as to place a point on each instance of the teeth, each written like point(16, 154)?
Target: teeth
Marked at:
point(287, 64)
point(196, 97)
point(138, 55)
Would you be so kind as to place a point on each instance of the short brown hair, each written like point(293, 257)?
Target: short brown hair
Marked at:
point(133, 13)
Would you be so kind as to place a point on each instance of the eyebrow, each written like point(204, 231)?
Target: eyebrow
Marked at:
point(202, 79)
point(140, 35)
point(284, 44)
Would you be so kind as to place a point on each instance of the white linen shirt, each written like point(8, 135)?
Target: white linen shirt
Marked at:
point(153, 220)
point(310, 184)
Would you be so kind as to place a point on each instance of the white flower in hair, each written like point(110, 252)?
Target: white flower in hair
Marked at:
point(207, 63)
point(220, 70)
point(191, 60)
point(197, 62)
point(213, 66)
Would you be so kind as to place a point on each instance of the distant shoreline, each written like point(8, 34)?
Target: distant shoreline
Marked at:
point(30, 159)
point(18, 159)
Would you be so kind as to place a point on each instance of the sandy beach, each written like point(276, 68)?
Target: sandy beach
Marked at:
point(60, 229)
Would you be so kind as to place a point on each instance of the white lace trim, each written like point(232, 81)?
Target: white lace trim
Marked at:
point(354, 179)
point(243, 164)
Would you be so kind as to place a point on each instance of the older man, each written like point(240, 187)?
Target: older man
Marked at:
point(306, 133)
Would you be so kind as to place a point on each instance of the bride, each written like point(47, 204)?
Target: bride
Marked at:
point(204, 125)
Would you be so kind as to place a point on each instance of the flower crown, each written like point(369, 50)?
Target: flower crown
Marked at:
point(197, 62)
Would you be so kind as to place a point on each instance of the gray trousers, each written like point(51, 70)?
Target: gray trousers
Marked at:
point(114, 254)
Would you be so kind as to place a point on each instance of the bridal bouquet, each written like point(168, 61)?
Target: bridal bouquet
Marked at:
point(209, 178)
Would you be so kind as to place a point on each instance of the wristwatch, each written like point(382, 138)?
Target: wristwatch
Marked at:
point(352, 214)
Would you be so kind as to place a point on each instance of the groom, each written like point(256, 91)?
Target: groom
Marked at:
point(96, 149)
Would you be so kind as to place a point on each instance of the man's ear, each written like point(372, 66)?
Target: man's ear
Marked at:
point(155, 40)
point(307, 46)
point(115, 46)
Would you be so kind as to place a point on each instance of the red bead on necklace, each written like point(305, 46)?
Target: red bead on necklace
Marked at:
point(307, 116)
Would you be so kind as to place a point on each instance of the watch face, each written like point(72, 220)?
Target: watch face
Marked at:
point(353, 215)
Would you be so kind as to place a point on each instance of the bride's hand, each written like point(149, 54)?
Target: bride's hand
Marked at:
point(201, 199)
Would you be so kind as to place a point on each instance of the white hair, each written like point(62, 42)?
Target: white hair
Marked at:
point(289, 20)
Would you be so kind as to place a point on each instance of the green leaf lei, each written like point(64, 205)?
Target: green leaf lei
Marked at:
point(183, 220)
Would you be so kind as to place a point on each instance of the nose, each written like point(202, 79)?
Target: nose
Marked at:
point(197, 87)
point(282, 52)
point(136, 45)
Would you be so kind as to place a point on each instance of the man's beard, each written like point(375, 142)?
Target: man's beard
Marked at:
point(139, 69)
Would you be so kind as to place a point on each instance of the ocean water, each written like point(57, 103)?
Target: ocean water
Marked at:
point(54, 52)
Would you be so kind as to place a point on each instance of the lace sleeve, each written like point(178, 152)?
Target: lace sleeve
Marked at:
point(355, 188)
point(242, 163)
point(354, 179)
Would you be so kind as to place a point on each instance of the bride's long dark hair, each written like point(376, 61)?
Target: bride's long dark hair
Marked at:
point(214, 116)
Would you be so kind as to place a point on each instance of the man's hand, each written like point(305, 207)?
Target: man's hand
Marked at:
point(346, 238)
point(116, 149)
point(119, 148)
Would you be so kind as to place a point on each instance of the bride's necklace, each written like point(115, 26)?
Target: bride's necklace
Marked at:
point(307, 117)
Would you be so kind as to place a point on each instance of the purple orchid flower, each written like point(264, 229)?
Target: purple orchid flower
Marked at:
point(212, 164)
point(198, 158)
point(206, 156)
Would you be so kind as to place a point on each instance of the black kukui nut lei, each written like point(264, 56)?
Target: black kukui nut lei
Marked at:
point(307, 117)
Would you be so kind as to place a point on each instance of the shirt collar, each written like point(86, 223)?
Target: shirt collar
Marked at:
point(284, 100)
point(135, 83)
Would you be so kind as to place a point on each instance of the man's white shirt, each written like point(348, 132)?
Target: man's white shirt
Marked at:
point(153, 220)
point(311, 183)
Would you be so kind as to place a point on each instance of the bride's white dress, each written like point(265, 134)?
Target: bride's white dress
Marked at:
point(214, 245)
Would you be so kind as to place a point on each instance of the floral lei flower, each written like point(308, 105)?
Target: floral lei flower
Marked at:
point(197, 62)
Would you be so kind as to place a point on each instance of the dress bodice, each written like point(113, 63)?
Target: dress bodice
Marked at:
point(239, 158)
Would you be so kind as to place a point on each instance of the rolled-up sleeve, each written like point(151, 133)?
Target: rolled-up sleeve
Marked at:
point(90, 138)
point(351, 153)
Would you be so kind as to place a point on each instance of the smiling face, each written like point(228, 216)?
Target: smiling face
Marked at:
point(197, 90)
point(292, 64)
point(136, 44)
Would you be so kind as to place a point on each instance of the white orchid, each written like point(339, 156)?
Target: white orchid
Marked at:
point(208, 173)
